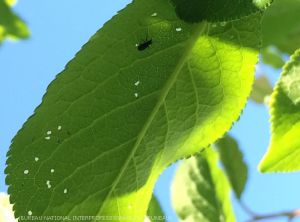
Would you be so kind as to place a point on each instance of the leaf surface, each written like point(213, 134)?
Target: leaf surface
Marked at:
point(201, 191)
point(284, 149)
point(155, 212)
point(210, 10)
point(281, 25)
point(233, 163)
point(116, 117)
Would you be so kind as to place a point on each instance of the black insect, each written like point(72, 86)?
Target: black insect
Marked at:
point(144, 45)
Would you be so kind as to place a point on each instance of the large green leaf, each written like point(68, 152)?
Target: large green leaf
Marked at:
point(284, 150)
point(11, 26)
point(155, 213)
point(281, 25)
point(201, 191)
point(217, 10)
point(117, 116)
point(233, 163)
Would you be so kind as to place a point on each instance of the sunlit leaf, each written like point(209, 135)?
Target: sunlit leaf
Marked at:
point(284, 149)
point(119, 114)
point(201, 191)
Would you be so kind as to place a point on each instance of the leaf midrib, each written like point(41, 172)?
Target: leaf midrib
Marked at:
point(199, 30)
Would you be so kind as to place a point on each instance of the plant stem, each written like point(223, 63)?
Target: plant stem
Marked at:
point(289, 214)
point(257, 217)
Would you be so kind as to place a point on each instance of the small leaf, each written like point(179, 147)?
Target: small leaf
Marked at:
point(11, 2)
point(117, 116)
point(210, 10)
point(272, 57)
point(284, 151)
point(261, 89)
point(11, 26)
point(281, 25)
point(233, 163)
point(201, 191)
point(155, 213)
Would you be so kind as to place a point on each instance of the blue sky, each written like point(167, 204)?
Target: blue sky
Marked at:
point(59, 29)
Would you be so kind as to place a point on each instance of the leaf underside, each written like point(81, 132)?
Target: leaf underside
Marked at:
point(201, 191)
point(210, 10)
point(116, 117)
point(233, 163)
point(284, 150)
point(281, 25)
point(155, 212)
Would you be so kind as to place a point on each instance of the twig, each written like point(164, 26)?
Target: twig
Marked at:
point(257, 217)
point(289, 214)
point(246, 208)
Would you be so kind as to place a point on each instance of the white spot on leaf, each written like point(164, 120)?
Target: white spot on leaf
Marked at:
point(137, 83)
point(178, 29)
point(47, 137)
point(30, 213)
point(59, 127)
point(154, 14)
point(36, 159)
point(48, 184)
point(65, 190)
point(52, 170)
point(49, 132)
point(136, 95)
point(26, 172)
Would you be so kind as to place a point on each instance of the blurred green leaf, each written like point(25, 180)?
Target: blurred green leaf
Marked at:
point(11, 26)
point(11, 2)
point(281, 25)
point(155, 213)
point(233, 163)
point(272, 57)
point(284, 150)
point(261, 89)
point(210, 10)
point(201, 191)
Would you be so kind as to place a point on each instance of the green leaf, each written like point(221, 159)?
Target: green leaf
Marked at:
point(284, 150)
point(155, 213)
point(116, 117)
point(201, 191)
point(210, 10)
point(272, 57)
point(11, 2)
point(281, 25)
point(261, 89)
point(11, 26)
point(233, 163)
